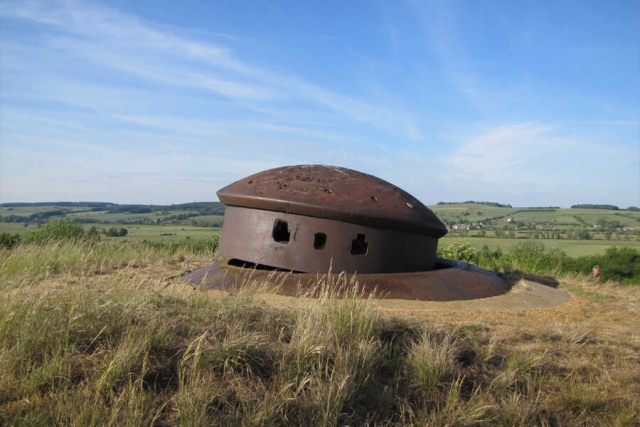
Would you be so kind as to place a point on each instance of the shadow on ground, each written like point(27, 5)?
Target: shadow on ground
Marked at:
point(514, 277)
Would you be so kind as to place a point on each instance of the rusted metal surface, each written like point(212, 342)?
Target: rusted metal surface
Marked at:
point(294, 225)
point(313, 245)
point(450, 281)
point(334, 193)
point(310, 218)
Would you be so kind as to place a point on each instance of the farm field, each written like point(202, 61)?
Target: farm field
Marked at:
point(551, 216)
point(577, 232)
point(573, 248)
point(148, 233)
point(158, 233)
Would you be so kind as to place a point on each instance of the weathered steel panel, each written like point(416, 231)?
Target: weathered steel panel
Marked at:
point(248, 234)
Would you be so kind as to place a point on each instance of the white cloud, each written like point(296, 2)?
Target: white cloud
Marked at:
point(98, 104)
point(438, 19)
point(518, 163)
point(122, 42)
point(497, 154)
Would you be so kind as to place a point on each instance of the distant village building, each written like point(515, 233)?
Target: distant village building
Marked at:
point(461, 227)
point(546, 227)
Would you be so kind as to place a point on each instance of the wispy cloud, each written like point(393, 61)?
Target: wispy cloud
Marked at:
point(101, 103)
point(122, 42)
point(521, 161)
point(438, 19)
point(500, 154)
point(635, 123)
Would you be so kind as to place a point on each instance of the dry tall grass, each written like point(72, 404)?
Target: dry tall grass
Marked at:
point(104, 334)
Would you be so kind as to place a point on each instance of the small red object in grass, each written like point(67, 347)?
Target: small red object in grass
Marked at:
point(596, 271)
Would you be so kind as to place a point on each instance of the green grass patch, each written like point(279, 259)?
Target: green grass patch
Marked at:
point(532, 256)
point(573, 248)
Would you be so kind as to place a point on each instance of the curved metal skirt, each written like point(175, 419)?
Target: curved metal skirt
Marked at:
point(450, 281)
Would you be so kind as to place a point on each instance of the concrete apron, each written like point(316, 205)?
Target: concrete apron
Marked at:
point(277, 286)
point(524, 295)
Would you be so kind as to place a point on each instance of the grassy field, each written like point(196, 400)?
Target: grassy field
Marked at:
point(106, 333)
point(177, 233)
point(87, 214)
point(149, 233)
point(570, 217)
point(174, 233)
point(155, 233)
point(30, 210)
point(163, 224)
point(573, 248)
point(475, 212)
point(448, 212)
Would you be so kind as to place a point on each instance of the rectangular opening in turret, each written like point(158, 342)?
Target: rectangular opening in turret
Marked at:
point(319, 241)
point(359, 245)
point(281, 232)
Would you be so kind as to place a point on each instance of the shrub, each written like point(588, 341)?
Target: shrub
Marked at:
point(458, 251)
point(8, 240)
point(56, 230)
point(212, 243)
point(117, 232)
point(533, 257)
point(617, 264)
point(530, 256)
point(490, 259)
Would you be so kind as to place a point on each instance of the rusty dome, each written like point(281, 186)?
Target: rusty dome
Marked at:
point(334, 193)
point(315, 219)
point(309, 218)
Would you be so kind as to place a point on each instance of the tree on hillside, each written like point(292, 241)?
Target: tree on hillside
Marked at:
point(117, 232)
point(592, 206)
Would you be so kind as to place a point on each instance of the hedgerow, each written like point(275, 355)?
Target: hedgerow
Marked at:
point(616, 264)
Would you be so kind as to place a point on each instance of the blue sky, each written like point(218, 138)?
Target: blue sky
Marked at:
point(529, 103)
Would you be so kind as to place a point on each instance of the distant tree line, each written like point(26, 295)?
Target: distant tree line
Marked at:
point(101, 205)
point(468, 202)
point(132, 209)
point(203, 208)
point(36, 217)
point(589, 206)
point(116, 232)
